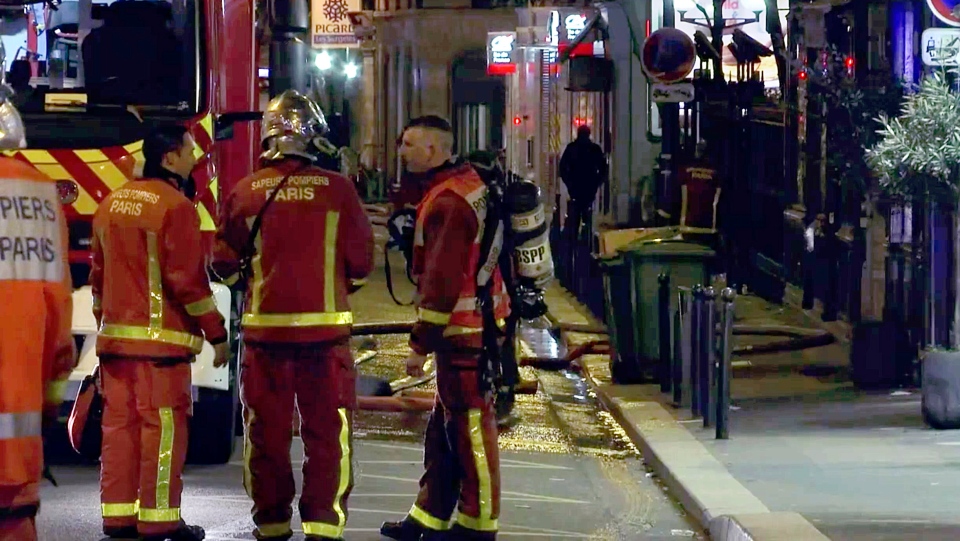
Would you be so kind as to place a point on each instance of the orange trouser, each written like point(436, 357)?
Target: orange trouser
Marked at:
point(320, 378)
point(18, 529)
point(147, 404)
point(18, 507)
point(461, 458)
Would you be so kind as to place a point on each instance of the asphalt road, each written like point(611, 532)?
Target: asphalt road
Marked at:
point(568, 470)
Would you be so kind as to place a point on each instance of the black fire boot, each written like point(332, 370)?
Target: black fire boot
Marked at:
point(459, 533)
point(185, 532)
point(121, 532)
point(409, 530)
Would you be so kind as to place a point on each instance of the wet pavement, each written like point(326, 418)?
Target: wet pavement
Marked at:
point(568, 470)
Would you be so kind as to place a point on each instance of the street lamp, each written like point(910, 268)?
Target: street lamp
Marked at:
point(350, 70)
point(323, 61)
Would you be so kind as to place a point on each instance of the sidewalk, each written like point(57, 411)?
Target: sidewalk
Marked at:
point(809, 457)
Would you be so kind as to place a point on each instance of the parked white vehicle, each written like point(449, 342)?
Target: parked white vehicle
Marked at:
point(215, 390)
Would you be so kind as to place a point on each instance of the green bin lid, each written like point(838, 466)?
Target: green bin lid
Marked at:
point(666, 247)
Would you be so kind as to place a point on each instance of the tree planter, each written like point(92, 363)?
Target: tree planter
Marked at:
point(940, 392)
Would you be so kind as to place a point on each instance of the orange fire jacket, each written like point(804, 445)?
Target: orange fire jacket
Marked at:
point(151, 294)
point(37, 351)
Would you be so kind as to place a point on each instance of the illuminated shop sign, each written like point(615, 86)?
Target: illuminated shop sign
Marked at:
point(500, 46)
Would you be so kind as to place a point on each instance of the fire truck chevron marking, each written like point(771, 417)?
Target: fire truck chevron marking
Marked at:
point(82, 173)
point(101, 166)
point(97, 172)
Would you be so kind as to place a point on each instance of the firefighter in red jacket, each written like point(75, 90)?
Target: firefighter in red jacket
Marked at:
point(37, 351)
point(154, 307)
point(314, 246)
point(461, 457)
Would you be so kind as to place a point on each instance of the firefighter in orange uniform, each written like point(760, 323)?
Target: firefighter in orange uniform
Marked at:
point(461, 457)
point(154, 307)
point(313, 247)
point(37, 351)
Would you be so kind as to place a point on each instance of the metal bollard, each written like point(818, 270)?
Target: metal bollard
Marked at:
point(708, 329)
point(727, 297)
point(665, 333)
point(695, 338)
point(681, 344)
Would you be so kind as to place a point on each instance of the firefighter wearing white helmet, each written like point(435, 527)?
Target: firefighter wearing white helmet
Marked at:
point(38, 352)
point(302, 232)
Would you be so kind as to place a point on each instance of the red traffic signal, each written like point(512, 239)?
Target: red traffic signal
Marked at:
point(516, 121)
point(849, 62)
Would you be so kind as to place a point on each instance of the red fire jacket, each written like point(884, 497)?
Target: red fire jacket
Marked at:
point(314, 245)
point(445, 257)
point(151, 295)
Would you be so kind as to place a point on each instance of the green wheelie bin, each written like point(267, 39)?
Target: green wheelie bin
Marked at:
point(687, 264)
point(618, 309)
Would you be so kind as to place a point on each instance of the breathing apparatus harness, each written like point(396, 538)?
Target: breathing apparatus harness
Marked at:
point(514, 239)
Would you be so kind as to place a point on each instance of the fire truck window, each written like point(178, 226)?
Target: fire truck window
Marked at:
point(134, 57)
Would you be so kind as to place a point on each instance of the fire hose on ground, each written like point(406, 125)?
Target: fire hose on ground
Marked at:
point(379, 394)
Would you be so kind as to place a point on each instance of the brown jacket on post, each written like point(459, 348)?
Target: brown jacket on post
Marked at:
point(314, 247)
point(151, 293)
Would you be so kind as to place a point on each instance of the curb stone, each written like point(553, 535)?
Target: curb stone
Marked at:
point(701, 483)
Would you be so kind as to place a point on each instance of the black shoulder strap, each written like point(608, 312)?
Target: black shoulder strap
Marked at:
point(249, 247)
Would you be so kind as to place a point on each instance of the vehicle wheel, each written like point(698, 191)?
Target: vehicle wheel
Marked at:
point(212, 427)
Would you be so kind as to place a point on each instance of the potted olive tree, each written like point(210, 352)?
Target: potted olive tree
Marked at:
point(917, 158)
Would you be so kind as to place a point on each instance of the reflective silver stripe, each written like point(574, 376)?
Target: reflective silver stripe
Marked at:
point(30, 236)
point(20, 425)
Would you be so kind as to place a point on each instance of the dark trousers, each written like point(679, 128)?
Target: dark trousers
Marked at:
point(461, 457)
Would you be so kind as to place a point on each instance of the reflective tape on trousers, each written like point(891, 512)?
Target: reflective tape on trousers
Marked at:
point(20, 425)
point(30, 236)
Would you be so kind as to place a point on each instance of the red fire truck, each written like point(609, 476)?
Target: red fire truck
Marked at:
point(90, 78)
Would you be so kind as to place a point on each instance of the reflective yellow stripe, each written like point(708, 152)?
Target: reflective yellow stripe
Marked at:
point(114, 510)
point(345, 473)
point(159, 515)
point(358, 283)
point(428, 520)
point(278, 529)
point(177, 338)
point(230, 280)
point(164, 463)
point(457, 330)
point(489, 525)
point(55, 391)
point(206, 220)
point(330, 262)
point(322, 529)
point(257, 267)
point(201, 307)
point(485, 521)
point(248, 451)
point(297, 320)
point(432, 316)
point(156, 284)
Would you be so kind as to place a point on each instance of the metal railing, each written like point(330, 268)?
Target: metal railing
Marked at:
point(697, 370)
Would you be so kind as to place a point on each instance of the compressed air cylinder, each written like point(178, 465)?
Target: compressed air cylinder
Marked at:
point(531, 241)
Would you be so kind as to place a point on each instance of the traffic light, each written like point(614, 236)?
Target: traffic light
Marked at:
point(850, 63)
point(516, 121)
